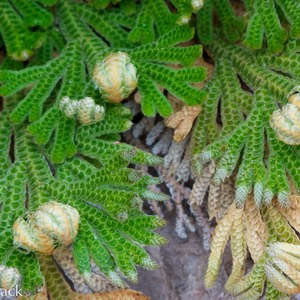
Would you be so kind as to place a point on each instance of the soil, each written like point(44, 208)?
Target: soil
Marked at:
point(182, 264)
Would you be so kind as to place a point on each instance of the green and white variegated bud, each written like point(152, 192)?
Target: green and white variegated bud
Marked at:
point(85, 110)
point(68, 107)
point(9, 277)
point(286, 121)
point(197, 4)
point(115, 77)
point(53, 224)
point(88, 112)
point(184, 19)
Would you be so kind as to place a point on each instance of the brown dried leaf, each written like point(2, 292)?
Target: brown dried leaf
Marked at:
point(182, 121)
point(292, 213)
point(113, 295)
point(280, 281)
point(97, 282)
point(219, 240)
point(201, 185)
point(256, 230)
point(213, 203)
point(286, 252)
point(285, 258)
point(57, 288)
point(227, 196)
point(238, 248)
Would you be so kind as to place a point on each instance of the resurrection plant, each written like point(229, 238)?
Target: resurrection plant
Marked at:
point(67, 178)
point(248, 131)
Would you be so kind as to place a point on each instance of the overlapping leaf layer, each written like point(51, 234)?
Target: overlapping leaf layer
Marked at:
point(255, 50)
point(48, 156)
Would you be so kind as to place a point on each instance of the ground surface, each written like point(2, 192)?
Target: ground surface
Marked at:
point(182, 267)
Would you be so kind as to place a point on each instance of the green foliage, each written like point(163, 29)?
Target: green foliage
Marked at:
point(256, 72)
point(46, 155)
point(186, 8)
point(264, 18)
point(152, 74)
point(66, 74)
point(154, 18)
point(104, 232)
point(116, 190)
point(231, 25)
point(265, 22)
point(16, 22)
point(108, 197)
point(262, 170)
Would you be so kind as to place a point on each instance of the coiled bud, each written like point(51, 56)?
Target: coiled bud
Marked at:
point(115, 77)
point(286, 121)
point(85, 110)
point(53, 224)
point(9, 277)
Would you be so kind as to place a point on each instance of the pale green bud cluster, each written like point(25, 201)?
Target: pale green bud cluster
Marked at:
point(85, 110)
point(197, 4)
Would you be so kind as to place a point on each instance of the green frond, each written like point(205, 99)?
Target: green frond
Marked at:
point(205, 22)
point(266, 177)
point(107, 231)
point(153, 16)
point(97, 228)
point(231, 24)
point(255, 32)
point(285, 63)
point(275, 34)
point(57, 39)
point(251, 286)
point(47, 2)
point(33, 14)
point(289, 9)
point(43, 54)
point(66, 75)
point(264, 23)
point(272, 292)
point(128, 7)
point(109, 125)
point(15, 23)
point(279, 229)
point(102, 151)
point(101, 4)
point(176, 35)
point(108, 28)
point(62, 119)
point(5, 139)
point(12, 207)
